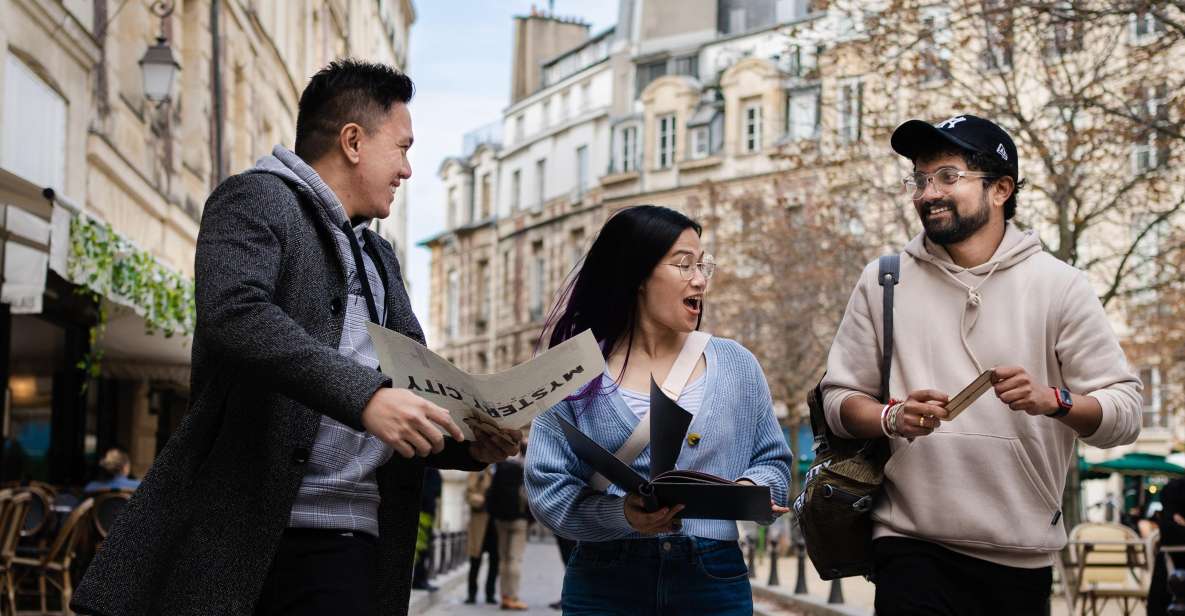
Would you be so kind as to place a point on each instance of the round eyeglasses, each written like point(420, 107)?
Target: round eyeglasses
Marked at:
point(944, 180)
point(687, 266)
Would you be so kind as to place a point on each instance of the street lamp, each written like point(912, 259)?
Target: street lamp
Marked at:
point(159, 66)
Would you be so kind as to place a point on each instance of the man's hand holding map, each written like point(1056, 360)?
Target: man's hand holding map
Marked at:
point(508, 400)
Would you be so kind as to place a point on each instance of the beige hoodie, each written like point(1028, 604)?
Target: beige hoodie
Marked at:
point(988, 484)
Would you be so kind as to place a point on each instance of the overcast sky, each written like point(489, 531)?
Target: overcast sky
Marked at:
point(460, 62)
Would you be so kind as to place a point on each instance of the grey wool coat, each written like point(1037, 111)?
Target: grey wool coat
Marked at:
point(199, 534)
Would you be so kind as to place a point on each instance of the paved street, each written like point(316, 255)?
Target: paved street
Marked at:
point(543, 576)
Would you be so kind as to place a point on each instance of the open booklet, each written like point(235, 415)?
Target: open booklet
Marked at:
point(507, 400)
point(703, 496)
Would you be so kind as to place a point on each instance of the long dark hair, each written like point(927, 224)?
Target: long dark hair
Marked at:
point(603, 293)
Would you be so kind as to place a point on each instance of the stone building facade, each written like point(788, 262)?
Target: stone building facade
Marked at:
point(74, 119)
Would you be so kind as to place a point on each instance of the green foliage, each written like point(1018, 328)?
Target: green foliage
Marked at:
point(104, 264)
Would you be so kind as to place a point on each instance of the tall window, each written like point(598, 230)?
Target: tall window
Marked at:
point(581, 170)
point(453, 323)
point(565, 100)
point(576, 245)
point(585, 95)
point(540, 181)
point(665, 146)
point(687, 65)
point(701, 142)
point(545, 120)
point(1064, 34)
point(791, 10)
point(538, 280)
point(997, 29)
point(1154, 417)
point(802, 113)
point(849, 104)
point(483, 295)
point(487, 188)
point(33, 127)
point(519, 128)
point(516, 190)
point(629, 149)
point(752, 128)
point(452, 208)
point(1144, 26)
point(1147, 153)
point(935, 50)
point(736, 21)
point(645, 73)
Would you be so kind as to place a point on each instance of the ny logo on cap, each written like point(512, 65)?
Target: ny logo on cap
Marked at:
point(949, 124)
point(1001, 151)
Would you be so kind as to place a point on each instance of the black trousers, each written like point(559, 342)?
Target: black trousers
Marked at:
point(922, 578)
point(322, 572)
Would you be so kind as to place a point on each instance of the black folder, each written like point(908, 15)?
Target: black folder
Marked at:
point(703, 496)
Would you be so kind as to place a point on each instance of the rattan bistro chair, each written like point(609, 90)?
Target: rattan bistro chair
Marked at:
point(40, 510)
point(14, 508)
point(54, 567)
point(108, 506)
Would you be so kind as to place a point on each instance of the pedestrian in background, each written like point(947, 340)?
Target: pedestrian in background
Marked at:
point(483, 538)
point(508, 506)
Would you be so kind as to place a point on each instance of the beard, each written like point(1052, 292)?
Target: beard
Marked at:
point(957, 228)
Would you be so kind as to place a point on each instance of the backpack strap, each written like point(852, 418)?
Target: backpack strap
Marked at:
point(888, 277)
point(677, 378)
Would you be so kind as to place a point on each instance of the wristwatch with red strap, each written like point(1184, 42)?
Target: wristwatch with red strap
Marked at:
point(1064, 402)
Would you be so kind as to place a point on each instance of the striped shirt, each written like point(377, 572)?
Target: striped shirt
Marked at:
point(739, 437)
point(689, 400)
point(339, 489)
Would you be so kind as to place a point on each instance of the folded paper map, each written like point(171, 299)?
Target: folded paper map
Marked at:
point(508, 400)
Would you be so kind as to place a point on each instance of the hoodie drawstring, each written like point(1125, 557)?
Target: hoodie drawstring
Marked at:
point(974, 299)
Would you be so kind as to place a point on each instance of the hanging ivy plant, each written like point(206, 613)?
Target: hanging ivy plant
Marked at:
point(105, 264)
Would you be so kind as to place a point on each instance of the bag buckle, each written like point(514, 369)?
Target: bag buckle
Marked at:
point(863, 505)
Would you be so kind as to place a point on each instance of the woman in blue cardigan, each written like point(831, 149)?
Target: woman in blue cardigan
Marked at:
point(641, 290)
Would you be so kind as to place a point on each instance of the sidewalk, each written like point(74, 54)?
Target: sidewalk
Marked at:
point(858, 593)
point(543, 578)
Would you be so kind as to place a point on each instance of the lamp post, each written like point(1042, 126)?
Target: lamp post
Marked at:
point(159, 66)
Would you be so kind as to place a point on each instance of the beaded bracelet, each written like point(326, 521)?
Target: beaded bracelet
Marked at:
point(893, 415)
point(887, 426)
point(885, 416)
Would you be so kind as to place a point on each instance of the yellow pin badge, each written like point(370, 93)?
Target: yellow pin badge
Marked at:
point(693, 439)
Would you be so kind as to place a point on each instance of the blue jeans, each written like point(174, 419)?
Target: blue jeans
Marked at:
point(660, 576)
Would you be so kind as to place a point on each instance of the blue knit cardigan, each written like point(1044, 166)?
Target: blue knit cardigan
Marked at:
point(739, 438)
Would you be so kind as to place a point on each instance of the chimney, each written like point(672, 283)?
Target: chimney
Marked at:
point(539, 37)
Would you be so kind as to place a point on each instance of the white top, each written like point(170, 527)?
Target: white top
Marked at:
point(691, 398)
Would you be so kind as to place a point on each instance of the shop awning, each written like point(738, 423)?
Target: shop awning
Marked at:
point(1139, 464)
point(133, 350)
point(148, 305)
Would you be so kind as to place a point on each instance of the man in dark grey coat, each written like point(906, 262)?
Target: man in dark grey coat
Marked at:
point(293, 485)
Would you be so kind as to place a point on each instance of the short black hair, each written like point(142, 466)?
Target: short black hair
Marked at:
point(978, 161)
point(345, 91)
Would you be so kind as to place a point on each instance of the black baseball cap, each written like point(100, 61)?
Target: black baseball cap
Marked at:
point(965, 131)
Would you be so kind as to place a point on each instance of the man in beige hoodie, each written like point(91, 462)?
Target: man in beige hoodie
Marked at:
point(970, 516)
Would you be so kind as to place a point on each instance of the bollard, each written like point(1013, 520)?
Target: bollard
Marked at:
point(800, 583)
point(435, 554)
point(444, 541)
point(460, 555)
point(836, 591)
point(752, 557)
point(773, 563)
